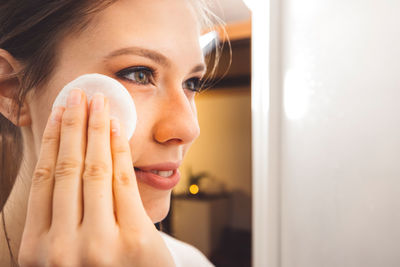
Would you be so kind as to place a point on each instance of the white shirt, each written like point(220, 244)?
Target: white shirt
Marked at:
point(185, 255)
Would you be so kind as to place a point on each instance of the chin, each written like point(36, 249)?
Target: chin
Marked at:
point(156, 202)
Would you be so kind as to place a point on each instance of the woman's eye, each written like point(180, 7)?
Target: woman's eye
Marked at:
point(192, 84)
point(138, 75)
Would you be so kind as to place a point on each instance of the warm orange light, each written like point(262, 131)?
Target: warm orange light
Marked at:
point(193, 189)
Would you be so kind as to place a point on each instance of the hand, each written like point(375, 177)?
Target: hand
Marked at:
point(84, 206)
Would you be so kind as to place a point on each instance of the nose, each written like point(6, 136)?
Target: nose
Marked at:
point(177, 120)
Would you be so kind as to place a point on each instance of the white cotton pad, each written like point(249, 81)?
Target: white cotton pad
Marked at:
point(121, 102)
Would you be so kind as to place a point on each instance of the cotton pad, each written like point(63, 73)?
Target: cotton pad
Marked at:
point(121, 102)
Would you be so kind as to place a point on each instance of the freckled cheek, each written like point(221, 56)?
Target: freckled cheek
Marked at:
point(145, 116)
point(138, 143)
point(142, 135)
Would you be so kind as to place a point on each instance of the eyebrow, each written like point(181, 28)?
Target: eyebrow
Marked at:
point(151, 54)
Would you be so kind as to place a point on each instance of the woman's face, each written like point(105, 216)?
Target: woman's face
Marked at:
point(161, 37)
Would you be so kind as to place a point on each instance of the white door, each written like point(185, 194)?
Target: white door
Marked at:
point(331, 174)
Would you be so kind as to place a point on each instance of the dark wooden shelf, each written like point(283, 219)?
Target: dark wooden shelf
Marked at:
point(202, 197)
point(234, 70)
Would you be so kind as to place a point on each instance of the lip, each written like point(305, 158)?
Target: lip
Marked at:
point(144, 174)
point(166, 166)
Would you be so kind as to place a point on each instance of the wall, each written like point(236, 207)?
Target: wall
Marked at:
point(224, 147)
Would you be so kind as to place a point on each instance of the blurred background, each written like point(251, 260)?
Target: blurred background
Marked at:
point(211, 206)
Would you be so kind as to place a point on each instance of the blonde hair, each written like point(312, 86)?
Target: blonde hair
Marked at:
point(209, 21)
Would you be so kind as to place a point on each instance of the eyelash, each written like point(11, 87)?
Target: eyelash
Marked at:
point(152, 76)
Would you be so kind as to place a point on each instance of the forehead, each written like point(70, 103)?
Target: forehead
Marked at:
point(170, 27)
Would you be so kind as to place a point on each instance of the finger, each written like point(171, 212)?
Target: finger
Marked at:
point(128, 205)
point(38, 216)
point(67, 197)
point(97, 189)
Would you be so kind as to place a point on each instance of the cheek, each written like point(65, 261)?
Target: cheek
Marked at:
point(142, 135)
point(137, 144)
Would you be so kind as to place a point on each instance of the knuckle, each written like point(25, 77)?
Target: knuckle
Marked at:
point(138, 244)
point(27, 259)
point(97, 255)
point(96, 170)
point(97, 125)
point(27, 255)
point(24, 261)
point(57, 253)
point(67, 167)
point(121, 150)
point(49, 137)
point(124, 178)
point(142, 241)
point(55, 261)
point(71, 120)
point(41, 175)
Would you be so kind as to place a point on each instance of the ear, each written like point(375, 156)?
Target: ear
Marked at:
point(8, 88)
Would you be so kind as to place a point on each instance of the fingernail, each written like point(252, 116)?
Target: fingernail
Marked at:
point(74, 98)
point(115, 127)
point(98, 102)
point(55, 116)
